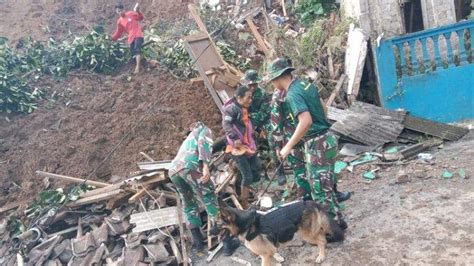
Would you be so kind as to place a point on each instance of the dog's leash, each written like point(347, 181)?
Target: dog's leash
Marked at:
point(269, 184)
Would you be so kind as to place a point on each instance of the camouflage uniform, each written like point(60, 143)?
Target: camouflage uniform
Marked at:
point(282, 128)
point(319, 144)
point(260, 110)
point(185, 172)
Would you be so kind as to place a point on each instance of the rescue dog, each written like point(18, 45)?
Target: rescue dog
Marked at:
point(262, 233)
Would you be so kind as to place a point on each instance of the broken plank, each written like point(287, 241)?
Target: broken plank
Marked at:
point(283, 7)
point(10, 206)
point(213, 253)
point(181, 231)
point(436, 129)
point(196, 81)
point(195, 15)
point(336, 91)
point(159, 165)
point(96, 198)
point(150, 220)
point(72, 179)
point(257, 35)
point(147, 156)
point(139, 194)
point(102, 190)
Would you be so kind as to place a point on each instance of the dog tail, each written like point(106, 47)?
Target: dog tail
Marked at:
point(336, 234)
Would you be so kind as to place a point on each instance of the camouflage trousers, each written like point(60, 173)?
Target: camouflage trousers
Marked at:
point(297, 164)
point(320, 154)
point(190, 192)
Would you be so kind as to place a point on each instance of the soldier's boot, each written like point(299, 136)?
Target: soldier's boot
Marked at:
point(341, 196)
point(230, 245)
point(244, 197)
point(198, 242)
point(281, 176)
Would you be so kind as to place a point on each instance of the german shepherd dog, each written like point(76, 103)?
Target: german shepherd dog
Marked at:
point(263, 232)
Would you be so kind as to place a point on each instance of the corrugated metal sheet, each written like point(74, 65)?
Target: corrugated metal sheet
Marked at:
point(369, 124)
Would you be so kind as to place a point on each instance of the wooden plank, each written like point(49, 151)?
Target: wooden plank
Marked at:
point(150, 220)
point(72, 179)
point(181, 231)
point(432, 128)
point(159, 165)
point(102, 190)
point(10, 206)
point(283, 7)
point(195, 15)
point(336, 91)
point(147, 157)
point(96, 198)
point(196, 81)
point(258, 37)
point(139, 194)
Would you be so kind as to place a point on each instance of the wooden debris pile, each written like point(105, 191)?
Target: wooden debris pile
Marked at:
point(138, 221)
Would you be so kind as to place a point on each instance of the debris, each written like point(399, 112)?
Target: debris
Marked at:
point(447, 174)
point(72, 179)
point(278, 258)
point(156, 219)
point(402, 178)
point(97, 198)
point(240, 261)
point(213, 253)
point(356, 52)
point(366, 159)
point(336, 91)
point(370, 175)
point(260, 41)
point(436, 129)
point(339, 166)
point(266, 202)
point(368, 124)
point(425, 156)
point(462, 173)
point(351, 150)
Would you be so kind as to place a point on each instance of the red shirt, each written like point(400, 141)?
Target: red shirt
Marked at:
point(129, 22)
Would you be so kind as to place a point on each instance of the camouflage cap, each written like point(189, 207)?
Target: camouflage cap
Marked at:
point(277, 68)
point(250, 78)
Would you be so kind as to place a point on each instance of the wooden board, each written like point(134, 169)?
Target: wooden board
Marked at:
point(206, 57)
point(154, 219)
point(97, 198)
point(440, 130)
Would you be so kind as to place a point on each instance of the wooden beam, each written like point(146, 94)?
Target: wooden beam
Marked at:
point(139, 194)
point(96, 198)
point(147, 156)
point(283, 6)
point(72, 179)
point(195, 15)
point(102, 190)
point(336, 91)
point(257, 35)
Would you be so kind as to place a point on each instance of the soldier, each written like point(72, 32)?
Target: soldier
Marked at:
point(259, 112)
point(312, 128)
point(282, 128)
point(189, 172)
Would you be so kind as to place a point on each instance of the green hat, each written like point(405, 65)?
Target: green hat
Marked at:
point(277, 68)
point(250, 78)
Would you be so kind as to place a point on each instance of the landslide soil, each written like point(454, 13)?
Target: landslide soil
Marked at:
point(85, 115)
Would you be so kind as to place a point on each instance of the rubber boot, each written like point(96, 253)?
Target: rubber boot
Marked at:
point(230, 245)
point(244, 197)
point(198, 243)
point(341, 196)
point(281, 176)
point(342, 224)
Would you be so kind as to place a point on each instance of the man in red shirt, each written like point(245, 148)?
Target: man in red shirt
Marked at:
point(129, 22)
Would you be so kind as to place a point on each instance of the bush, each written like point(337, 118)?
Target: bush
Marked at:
point(309, 10)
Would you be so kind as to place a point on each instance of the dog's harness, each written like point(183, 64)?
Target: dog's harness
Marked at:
point(278, 224)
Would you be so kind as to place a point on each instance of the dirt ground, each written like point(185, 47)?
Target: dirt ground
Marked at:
point(426, 221)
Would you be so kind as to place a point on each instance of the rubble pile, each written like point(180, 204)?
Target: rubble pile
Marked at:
point(137, 221)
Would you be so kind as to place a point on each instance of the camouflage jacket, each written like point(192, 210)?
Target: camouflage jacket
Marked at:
point(282, 123)
point(196, 148)
point(260, 108)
